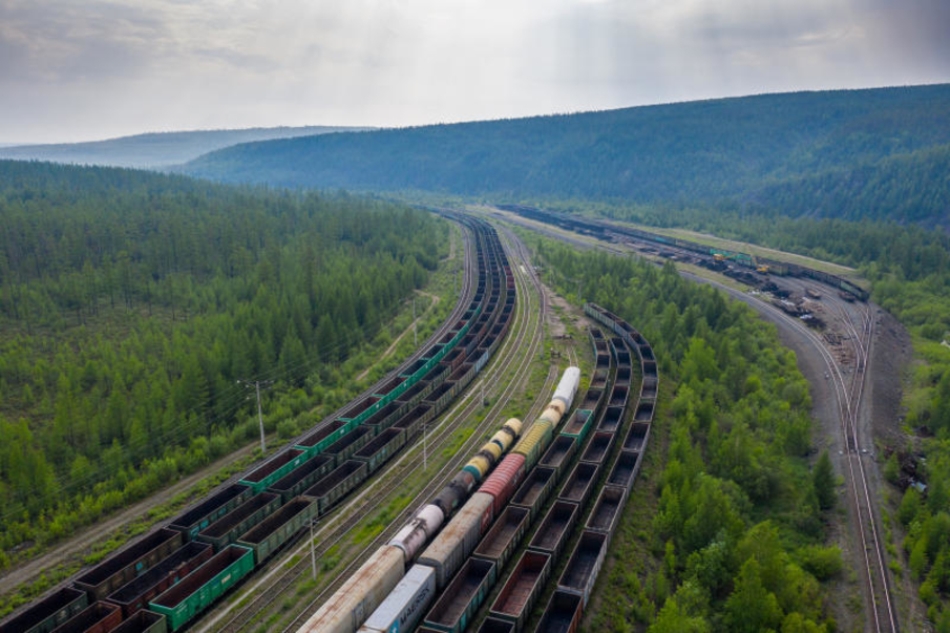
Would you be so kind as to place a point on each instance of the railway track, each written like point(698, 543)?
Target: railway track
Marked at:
point(275, 583)
point(849, 396)
point(280, 580)
point(882, 617)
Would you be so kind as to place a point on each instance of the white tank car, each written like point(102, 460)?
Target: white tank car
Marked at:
point(567, 388)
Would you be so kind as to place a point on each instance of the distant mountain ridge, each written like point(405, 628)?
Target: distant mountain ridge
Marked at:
point(797, 153)
point(157, 149)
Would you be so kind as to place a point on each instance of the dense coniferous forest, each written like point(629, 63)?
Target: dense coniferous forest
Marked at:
point(736, 531)
point(878, 154)
point(131, 303)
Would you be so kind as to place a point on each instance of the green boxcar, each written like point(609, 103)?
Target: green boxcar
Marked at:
point(280, 527)
point(275, 468)
point(200, 588)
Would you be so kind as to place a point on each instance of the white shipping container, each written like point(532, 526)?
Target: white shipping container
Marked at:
point(405, 606)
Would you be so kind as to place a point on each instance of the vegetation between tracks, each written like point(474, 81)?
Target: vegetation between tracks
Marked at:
point(735, 539)
point(908, 268)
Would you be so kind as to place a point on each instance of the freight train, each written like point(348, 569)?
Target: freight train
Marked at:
point(346, 610)
point(605, 231)
point(165, 579)
point(572, 592)
point(607, 413)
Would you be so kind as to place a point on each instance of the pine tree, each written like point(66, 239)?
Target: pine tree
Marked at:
point(824, 482)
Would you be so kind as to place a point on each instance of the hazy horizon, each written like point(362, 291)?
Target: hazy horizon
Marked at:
point(103, 69)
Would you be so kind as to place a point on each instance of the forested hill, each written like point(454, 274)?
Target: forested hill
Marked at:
point(159, 149)
point(131, 303)
point(799, 153)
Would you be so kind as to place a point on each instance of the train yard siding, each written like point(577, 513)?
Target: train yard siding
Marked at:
point(265, 508)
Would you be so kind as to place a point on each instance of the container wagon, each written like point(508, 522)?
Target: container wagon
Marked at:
point(404, 607)
point(360, 595)
point(458, 539)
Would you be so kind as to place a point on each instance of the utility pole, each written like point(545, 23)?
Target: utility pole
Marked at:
point(425, 447)
point(415, 335)
point(313, 553)
point(260, 413)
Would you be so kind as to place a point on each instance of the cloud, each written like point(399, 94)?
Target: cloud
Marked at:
point(88, 68)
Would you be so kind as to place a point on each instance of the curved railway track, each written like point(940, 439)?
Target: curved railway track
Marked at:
point(528, 331)
point(281, 579)
point(849, 396)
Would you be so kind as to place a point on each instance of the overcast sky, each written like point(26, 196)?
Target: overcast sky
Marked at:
point(89, 69)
